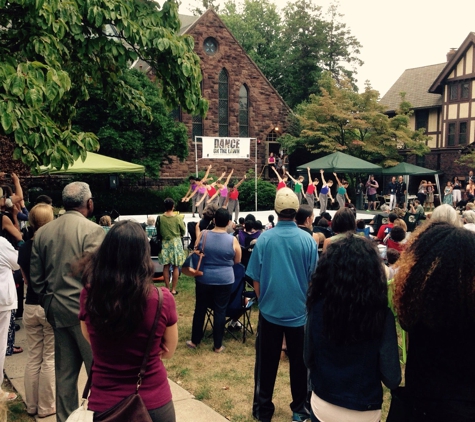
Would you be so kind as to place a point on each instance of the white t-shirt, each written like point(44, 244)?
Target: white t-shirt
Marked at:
point(327, 412)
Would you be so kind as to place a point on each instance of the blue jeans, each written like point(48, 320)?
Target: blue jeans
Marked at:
point(216, 297)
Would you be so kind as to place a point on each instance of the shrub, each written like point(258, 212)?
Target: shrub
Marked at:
point(265, 195)
point(126, 202)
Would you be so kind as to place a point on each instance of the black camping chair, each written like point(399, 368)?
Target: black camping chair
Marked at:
point(239, 307)
point(191, 227)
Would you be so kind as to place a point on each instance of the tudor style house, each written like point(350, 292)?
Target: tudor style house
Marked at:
point(242, 102)
point(443, 99)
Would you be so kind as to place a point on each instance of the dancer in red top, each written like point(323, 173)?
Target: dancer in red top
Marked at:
point(282, 180)
point(311, 192)
point(232, 201)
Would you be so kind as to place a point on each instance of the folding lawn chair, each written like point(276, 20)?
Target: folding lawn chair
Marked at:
point(239, 307)
point(191, 227)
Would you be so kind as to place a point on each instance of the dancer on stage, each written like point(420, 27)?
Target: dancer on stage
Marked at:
point(282, 180)
point(191, 189)
point(199, 192)
point(311, 192)
point(325, 192)
point(232, 201)
point(341, 193)
point(223, 188)
point(298, 186)
point(211, 194)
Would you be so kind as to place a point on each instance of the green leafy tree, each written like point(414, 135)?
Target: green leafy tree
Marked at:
point(343, 120)
point(294, 47)
point(203, 6)
point(53, 52)
point(341, 48)
point(257, 26)
point(303, 42)
point(125, 134)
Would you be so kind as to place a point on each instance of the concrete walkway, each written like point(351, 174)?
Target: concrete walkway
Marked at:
point(186, 407)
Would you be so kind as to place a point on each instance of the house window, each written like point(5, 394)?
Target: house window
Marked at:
point(422, 119)
point(463, 133)
point(420, 160)
point(465, 90)
point(197, 122)
point(243, 112)
point(454, 90)
point(272, 136)
point(459, 91)
point(223, 113)
point(457, 133)
point(451, 135)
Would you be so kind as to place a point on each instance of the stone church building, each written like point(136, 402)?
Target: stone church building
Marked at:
point(242, 102)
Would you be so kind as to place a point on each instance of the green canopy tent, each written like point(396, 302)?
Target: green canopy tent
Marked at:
point(407, 169)
point(339, 162)
point(95, 164)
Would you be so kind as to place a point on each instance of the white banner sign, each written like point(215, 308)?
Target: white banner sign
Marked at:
point(216, 147)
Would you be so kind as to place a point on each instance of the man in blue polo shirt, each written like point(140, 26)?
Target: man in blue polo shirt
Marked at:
point(281, 265)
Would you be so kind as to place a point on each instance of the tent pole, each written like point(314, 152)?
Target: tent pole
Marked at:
point(406, 179)
point(196, 159)
point(255, 176)
point(437, 182)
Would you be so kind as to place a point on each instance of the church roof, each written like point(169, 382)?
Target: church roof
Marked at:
point(186, 21)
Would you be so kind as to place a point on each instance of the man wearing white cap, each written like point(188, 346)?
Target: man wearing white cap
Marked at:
point(281, 265)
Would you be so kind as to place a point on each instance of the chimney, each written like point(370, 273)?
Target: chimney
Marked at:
point(451, 54)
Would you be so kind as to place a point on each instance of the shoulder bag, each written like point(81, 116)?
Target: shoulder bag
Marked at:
point(191, 266)
point(132, 408)
point(156, 241)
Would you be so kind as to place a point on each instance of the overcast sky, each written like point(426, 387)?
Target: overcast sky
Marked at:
point(398, 35)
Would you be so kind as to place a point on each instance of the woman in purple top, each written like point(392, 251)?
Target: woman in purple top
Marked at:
point(117, 310)
point(223, 188)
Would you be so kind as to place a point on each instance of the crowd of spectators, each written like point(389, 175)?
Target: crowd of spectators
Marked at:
point(338, 325)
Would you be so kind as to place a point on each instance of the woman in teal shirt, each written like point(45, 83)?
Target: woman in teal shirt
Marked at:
point(341, 192)
point(298, 186)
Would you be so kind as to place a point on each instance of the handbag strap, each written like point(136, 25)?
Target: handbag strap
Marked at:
point(150, 339)
point(143, 367)
point(205, 235)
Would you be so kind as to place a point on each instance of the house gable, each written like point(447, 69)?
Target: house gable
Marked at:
point(443, 100)
point(459, 66)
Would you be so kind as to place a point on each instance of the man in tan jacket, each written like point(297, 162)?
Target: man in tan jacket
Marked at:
point(57, 246)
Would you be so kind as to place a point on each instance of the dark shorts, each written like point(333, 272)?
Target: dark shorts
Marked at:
point(372, 198)
point(400, 199)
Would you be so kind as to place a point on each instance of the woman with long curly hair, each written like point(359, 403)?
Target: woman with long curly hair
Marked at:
point(117, 310)
point(351, 343)
point(435, 301)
